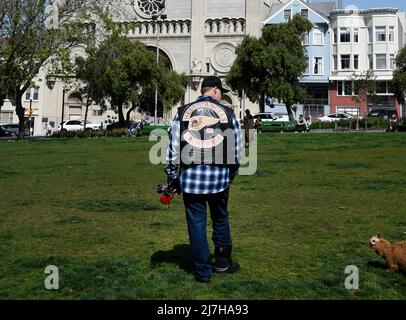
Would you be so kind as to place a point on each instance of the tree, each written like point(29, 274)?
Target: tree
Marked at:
point(272, 65)
point(87, 70)
point(399, 76)
point(33, 31)
point(171, 90)
point(123, 72)
point(3, 57)
point(364, 88)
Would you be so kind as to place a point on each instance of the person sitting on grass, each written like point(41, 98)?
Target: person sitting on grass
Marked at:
point(392, 123)
point(308, 122)
point(301, 125)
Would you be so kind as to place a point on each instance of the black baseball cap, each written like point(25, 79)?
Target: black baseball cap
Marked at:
point(213, 81)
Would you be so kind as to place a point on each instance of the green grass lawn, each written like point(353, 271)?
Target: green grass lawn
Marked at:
point(89, 207)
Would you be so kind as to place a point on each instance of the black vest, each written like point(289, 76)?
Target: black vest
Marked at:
point(206, 133)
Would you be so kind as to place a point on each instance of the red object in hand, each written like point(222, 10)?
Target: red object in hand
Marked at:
point(165, 199)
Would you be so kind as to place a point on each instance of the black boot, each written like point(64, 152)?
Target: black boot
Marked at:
point(223, 262)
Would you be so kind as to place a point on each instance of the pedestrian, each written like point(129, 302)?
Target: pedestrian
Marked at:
point(392, 123)
point(49, 131)
point(133, 129)
point(205, 145)
point(248, 122)
point(258, 124)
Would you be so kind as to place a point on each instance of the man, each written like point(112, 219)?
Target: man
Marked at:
point(392, 123)
point(205, 142)
point(248, 126)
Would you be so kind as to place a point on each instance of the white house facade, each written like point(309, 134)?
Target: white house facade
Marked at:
point(364, 40)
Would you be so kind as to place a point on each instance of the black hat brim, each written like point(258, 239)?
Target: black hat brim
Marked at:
point(224, 90)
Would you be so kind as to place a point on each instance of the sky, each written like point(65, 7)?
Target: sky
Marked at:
point(365, 4)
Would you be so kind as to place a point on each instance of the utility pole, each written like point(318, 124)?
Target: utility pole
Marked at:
point(31, 130)
point(63, 105)
point(156, 17)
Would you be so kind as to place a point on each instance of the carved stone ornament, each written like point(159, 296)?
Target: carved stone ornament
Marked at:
point(196, 66)
point(223, 57)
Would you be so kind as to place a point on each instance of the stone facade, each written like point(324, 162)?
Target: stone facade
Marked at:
point(199, 38)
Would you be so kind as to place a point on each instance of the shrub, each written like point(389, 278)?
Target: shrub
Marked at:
point(91, 133)
point(368, 123)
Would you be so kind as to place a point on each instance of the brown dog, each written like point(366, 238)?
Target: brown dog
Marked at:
point(394, 254)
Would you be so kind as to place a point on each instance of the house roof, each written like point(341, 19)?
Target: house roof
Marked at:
point(322, 8)
point(274, 9)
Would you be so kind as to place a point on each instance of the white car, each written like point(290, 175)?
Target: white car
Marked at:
point(336, 117)
point(77, 125)
point(271, 117)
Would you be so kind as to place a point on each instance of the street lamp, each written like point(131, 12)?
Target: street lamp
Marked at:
point(63, 105)
point(156, 18)
point(31, 131)
point(51, 79)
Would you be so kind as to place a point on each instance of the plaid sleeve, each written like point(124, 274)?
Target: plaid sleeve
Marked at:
point(173, 151)
point(238, 140)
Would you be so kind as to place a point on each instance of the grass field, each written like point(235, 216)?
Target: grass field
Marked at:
point(89, 207)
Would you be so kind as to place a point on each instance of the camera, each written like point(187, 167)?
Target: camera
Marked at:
point(166, 192)
point(164, 189)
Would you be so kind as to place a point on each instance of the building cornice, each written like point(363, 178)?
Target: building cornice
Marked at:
point(230, 38)
point(363, 12)
point(161, 38)
point(348, 78)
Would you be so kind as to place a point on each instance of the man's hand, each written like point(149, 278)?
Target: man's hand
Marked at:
point(233, 172)
point(175, 186)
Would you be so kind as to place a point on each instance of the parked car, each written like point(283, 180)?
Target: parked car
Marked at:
point(336, 117)
point(282, 117)
point(6, 133)
point(134, 128)
point(381, 112)
point(116, 125)
point(13, 127)
point(77, 125)
point(271, 117)
point(91, 125)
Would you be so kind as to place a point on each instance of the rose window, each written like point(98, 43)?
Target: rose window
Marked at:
point(147, 8)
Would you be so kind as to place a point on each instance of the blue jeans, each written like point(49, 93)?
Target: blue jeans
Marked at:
point(195, 206)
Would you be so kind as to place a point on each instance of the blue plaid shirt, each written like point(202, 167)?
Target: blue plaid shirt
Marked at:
point(200, 179)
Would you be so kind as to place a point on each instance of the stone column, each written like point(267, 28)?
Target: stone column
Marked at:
point(197, 31)
point(253, 16)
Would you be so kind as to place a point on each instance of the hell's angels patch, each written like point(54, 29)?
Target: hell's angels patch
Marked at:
point(203, 122)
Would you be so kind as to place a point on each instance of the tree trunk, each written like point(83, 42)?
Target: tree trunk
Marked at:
point(2, 97)
point(262, 103)
point(20, 113)
point(290, 112)
point(121, 119)
point(129, 112)
point(88, 101)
